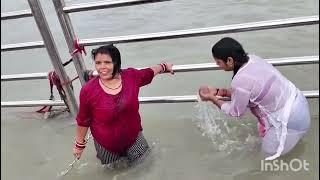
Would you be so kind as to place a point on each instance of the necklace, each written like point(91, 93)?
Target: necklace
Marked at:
point(111, 87)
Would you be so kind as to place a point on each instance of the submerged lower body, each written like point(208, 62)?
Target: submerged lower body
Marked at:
point(298, 125)
point(133, 156)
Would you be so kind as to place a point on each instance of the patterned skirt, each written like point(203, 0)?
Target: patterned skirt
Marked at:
point(134, 155)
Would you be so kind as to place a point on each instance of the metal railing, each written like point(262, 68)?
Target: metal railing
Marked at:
point(27, 76)
point(37, 12)
point(142, 100)
point(184, 68)
point(22, 46)
point(234, 28)
point(105, 4)
point(66, 24)
point(164, 99)
point(16, 14)
point(67, 28)
point(48, 42)
point(19, 46)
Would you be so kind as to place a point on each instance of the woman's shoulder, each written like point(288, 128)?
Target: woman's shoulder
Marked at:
point(129, 72)
point(253, 58)
point(90, 85)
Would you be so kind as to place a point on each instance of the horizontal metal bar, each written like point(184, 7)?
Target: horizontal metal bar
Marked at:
point(253, 26)
point(194, 98)
point(213, 66)
point(30, 76)
point(182, 68)
point(21, 46)
point(105, 4)
point(294, 60)
point(171, 99)
point(32, 103)
point(16, 14)
point(142, 100)
point(274, 61)
point(311, 94)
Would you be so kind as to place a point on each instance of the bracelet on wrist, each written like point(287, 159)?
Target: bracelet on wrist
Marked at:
point(217, 90)
point(81, 143)
point(164, 67)
point(79, 147)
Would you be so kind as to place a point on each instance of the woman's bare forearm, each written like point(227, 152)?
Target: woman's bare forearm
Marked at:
point(157, 69)
point(162, 68)
point(81, 132)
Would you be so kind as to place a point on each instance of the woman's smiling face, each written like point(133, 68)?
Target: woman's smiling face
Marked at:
point(104, 66)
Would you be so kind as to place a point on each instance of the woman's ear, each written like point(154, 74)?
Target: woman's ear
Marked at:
point(230, 62)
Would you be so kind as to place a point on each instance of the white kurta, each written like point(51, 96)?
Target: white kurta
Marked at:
point(267, 92)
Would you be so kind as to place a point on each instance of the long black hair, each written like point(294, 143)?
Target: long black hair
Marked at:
point(228, 47)
point(113, 52)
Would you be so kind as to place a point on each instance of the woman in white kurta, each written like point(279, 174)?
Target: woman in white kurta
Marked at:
point(281, 108)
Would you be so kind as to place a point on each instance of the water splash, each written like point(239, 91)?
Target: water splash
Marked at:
point(67, 170)
point(82, 165)
point(75, 161)
point(225, 134)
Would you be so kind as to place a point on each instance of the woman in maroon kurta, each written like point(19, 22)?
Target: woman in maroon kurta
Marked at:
point(109, 105)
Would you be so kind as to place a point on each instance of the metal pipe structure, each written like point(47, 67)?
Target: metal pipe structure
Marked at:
point(65, 21)
point(274, 61)
point(194, 98)
point(22, 46)
point(53, 53)
point(32, 103)
point(142, 100)
point(70, 37)
point(16, 14)
point(185, 68)
point(29, 76)
point(235, 28)
point(106, 4)
point(19, 46)
point(68, 31)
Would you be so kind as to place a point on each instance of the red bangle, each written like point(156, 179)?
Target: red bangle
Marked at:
point(79, 147)
point(83, 143)
point(164, 67)
point(79, 144)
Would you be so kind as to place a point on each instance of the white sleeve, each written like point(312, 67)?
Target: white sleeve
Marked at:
point(239, 103)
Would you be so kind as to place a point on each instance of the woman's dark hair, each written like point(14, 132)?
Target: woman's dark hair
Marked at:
point(228, 47)
point(113, 52)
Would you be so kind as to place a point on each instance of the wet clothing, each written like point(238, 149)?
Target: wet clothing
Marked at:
point(272, 98)
point(298, 125)
point(134, 155)
point(114, 120)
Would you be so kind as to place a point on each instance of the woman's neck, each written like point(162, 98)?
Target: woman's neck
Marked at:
point(111, 86)
point(116, 78)
point(111, 81)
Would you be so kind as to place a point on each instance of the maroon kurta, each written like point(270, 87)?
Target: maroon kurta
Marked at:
point(114, 120)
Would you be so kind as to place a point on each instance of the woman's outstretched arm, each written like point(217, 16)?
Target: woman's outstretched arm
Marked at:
point(162, 68)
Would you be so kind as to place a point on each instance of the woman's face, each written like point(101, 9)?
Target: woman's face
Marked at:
point(225, 66)
point(104, 66)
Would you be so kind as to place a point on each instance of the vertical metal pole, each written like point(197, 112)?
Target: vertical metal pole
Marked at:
point(53, 53)
point(70, 37)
